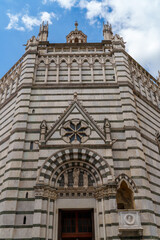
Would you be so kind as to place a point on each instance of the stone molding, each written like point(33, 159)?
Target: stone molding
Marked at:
point(105, 191)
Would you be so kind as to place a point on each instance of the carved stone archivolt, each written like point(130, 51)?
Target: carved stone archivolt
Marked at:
point(77, 157)
point(75, 131)
point(75, 173)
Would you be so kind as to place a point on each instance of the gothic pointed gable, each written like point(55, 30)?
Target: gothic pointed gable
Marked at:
point(79, 108)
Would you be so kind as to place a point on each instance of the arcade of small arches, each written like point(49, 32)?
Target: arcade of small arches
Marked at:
point(69, 60)
point(82, 173)
point(57, 69)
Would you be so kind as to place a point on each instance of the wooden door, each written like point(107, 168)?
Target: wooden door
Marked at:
point(76, 225)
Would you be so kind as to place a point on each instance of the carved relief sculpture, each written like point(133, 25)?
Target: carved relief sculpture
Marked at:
point(85, 180)
point(43, 130)
point(107, 130)
point(75, 177)
point(65, 179)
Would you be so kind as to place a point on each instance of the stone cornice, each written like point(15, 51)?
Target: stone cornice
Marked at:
point(100, 44)
point(49, 54)
point(61, 146)
point(100, 192)
point(80, 86)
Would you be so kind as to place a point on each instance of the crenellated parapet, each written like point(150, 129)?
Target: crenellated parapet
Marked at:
point(10, 81)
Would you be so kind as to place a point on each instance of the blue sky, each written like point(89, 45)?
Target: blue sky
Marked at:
point(137, 21)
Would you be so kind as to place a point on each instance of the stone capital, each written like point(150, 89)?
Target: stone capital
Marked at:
point(45, 191)
point(106, 191)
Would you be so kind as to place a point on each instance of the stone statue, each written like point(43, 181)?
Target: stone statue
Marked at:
point(43, 130)
point(85, 180)
point(107, 130)
point(65, 179)
point(75, 177)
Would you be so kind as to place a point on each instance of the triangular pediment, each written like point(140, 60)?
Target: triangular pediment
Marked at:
point(76, 108)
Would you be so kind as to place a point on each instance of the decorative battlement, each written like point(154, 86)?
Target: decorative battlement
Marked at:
point(107, 31)
point(43, 32)
point(14, 69)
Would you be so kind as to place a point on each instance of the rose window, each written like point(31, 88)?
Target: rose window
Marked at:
point(75, 131)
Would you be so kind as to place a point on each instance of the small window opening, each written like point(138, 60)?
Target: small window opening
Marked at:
point(26, 194)
point(124, 197)
point(33, 111)
point(76, 40)
point(31, 145)
point(24, 220)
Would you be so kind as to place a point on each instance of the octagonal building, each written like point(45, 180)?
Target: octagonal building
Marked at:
point(79, 142)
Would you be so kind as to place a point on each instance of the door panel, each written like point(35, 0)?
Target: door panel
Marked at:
point(76, 225)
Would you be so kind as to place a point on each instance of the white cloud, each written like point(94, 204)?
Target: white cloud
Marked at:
point(63, 3)
point(47, 17)
point(30, 22)
point(13, 23)
point(21, 22)
point(137, 21)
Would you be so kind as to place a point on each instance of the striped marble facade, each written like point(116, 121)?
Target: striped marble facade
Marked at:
point(93, 82)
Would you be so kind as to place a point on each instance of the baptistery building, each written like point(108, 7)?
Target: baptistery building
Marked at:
point(79, 142)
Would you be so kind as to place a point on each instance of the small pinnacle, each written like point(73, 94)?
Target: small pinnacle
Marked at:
point(75, 96)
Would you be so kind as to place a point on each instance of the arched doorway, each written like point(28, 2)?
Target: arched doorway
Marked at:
point(74, 180)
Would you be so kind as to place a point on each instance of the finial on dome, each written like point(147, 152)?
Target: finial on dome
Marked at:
point(76, 25)
point(76, 36)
